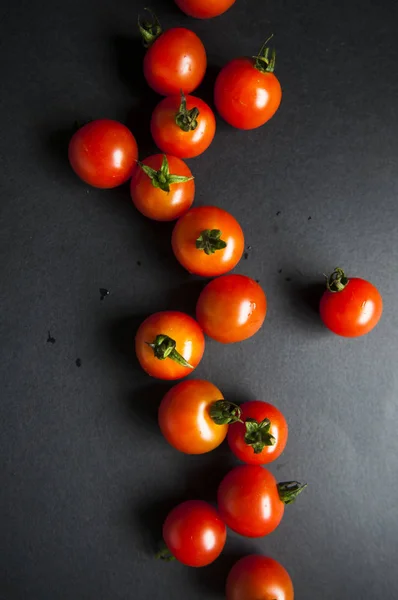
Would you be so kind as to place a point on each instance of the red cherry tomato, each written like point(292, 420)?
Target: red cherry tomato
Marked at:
point(185, 418)
point(162, 188)
point(208, 241)
point(194, 533)
point(184, 127)
point(247, 93)
point(175, 59)
point(255, 576)
point(251, 502)
point(204, 9)
point(103, 153)
point(169, 345)
point(231, 308)
point(350, 307)
point(262, 436)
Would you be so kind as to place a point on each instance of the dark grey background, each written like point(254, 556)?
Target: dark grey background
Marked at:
point(86, 478)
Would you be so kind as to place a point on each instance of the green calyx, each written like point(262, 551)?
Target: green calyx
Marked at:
point(289, 490)
point(164, 553)
point(165, 347)
point(258, 434)
point(187, 120)
point(149, 29)
point(223, 412)
point(210, 240)
point(162, 178)
point(266, 58)
point(337, 281)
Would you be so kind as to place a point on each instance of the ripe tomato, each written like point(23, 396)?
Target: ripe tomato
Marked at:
point(194, 417)
point(175, 59)
point(247, 93)
point(204, 9)
point(350, 307)
point(208, 241)
point(159, 194)
point(255, 576)
point(194, 533)
point(261, 436)
point(184, 127)
point(169, 345)
point(251, 502)
point(231, 308)
point(103, 153)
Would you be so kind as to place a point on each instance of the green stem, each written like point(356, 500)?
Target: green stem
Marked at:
point(223, 412)
point(266, 58)
point(165, 347)
point(164, 553)
point(150, 30)
point(187, 120)
point(210, 240)
point(337, 281)
point(162, 178)
point(289, 490)
point(258, 434)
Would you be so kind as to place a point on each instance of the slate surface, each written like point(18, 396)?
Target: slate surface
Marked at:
point(86, 478)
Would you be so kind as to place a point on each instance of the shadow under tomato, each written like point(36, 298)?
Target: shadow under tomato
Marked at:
point(185, 296)
point(304, 301)
point(212, 579)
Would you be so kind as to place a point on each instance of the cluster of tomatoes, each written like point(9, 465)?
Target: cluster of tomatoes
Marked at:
point(194, 417)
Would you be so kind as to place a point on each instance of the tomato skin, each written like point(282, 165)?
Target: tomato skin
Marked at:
point(245, 97)
point(242, 497)
point(231, 308)
point(204, 9)
point(175, 61)
point(155, 203)
point(103, 153)
point(354, 311)
point(181, 328)
point(194, 533)
point(236, 433)
point(189, 227)
point(255, 576)
point(184, 417)
point(168, 136)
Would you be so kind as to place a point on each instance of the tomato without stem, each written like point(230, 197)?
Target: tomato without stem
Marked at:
point(247, 93)
point(204, 9)
point(169, 345)
point(185, 420)
point(231, 308)
point(103, 153)
point(350, 307)
point(162, 188)
point(175, 59)
point(255, 576)
point(183, 126)
point(194, 533)
point(251, 502)
point(261, 437)
point(208, 241)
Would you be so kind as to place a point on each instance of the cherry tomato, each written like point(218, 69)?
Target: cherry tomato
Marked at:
point(103, 153)
point(162, 188)
point(184, 127)
point(247, 93)
point(175, 59)
point(262, 436)
point(194, 417)
point(231, 308)
point(251, 502)
point(255, 576)
point(169, 345)
point(194, 533)
point(208, 241)
point(350, 307)
point(204, 9)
